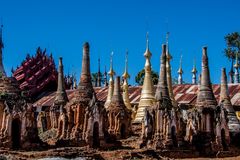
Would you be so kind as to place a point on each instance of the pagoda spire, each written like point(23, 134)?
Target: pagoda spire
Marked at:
point(233, 123)
point(206, 105)
point(180, 72)
point(99, 74)
point(2, 71)
point(117, 98)
point(169, 72)
point(61, 95)
point(224, 93)
point(85, 89)
point(125, 74)
point(125, 77)
point(194, 73)
point(162, 87)
point(236, 66)
point(147, 95)
point(105, 77)
point(118, 114)
point(111, 74)
point(205, 97)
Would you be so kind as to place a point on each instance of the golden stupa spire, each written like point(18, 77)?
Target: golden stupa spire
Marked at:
point(194, 70)
point(111, 71)
point(147, 95)
point(169, 57)
point(169, 72)
point(125, 85)
point(111, 83)
point(180, 71)
point(125, 74)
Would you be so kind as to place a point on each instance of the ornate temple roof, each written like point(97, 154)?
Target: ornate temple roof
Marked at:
point(185, 94)
point(37, 74)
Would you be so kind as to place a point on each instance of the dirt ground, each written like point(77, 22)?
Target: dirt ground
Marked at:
point(119, 154)
point(128, 150)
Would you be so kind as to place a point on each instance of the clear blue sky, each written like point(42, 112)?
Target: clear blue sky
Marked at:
point(62, 26)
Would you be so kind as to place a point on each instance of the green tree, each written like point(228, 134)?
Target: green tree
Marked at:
point(233, 45)
point(95, 76)
point(140, 77)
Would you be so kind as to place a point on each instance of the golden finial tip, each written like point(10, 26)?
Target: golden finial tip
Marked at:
point(194, 70)
point(180, 70)
point(125, 74)
point(147, 53)
point(111, 71)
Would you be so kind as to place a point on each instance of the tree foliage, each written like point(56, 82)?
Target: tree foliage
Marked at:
point(233, 45)
point(95, 77)
point(140, 77)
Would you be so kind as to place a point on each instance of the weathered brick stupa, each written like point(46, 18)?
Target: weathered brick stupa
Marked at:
point(52, 122)
point(206, 104)
point(160, 121)
point(119, 116)
point(58, 115)
point(17, 122)
point(233, 122)
point(86, 115)
point(212, 118)
point(82, 97)
point(80, 121)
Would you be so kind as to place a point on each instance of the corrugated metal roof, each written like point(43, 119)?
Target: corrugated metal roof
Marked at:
point(184, 94)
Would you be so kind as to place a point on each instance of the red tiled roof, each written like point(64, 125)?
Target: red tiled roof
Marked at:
point(184, 94)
